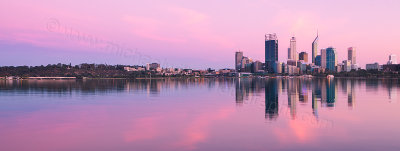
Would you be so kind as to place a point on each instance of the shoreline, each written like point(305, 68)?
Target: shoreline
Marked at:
point(161, 78)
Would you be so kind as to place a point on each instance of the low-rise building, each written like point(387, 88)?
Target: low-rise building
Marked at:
point(134, 69)
point(391, 67)
point(373, 66)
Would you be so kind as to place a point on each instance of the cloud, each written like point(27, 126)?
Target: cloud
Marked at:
point(151, 29)
point(183, 26)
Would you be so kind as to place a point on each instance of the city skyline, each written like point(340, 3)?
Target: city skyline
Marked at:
point(181, 75)
point(190, 34)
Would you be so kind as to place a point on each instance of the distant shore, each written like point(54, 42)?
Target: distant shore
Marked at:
point(189, 77)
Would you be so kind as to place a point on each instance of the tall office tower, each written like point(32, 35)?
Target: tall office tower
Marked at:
point(323, 58)
point(392, 59)
point(314, 48)
point(271, 52)
point(303, 56)
point(238, 59)
point(318, 60)
point(292, 54)
point(331, 59)
point(351, 55)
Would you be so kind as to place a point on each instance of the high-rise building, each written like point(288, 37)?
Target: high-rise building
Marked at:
point(292, 53)
point(318, 60)
point(331, 59)
point(303, 56)
point(314, 48)
point(238, 59)
point(392, 59)
point(271, 52)
point(346, 65)
point(323, 58)
point(351, 55)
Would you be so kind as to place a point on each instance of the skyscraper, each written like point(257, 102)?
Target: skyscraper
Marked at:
point(323, 58)
point(238, 59)
point(303, 56)
point(318, 60)
point(292, 53)
point(271, 52)
point(314, 48)
point(392, 59)
point(351, 55)
point(330, 59)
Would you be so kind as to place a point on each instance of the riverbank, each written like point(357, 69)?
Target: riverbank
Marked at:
point(190, 77)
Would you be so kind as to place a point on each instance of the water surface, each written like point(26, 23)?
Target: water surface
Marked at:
point(200, 114)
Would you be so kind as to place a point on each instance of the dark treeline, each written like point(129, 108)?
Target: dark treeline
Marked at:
point(117, 71)
point(368, 74)
point(64, 70)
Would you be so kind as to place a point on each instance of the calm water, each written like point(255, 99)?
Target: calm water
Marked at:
point(199, 114)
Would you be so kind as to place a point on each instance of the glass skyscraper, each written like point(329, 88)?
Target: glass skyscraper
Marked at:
point(330, 59)
point(271, 53)
point(318, 60)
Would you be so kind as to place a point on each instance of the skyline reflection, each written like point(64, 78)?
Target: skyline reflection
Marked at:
point(324, 92)
point(199, 114)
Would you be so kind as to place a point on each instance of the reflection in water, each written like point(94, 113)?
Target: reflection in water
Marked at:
point(199, 114)
point(271, 99)
point(350, 93)
point(392, 90)
point(152, 87)
point(323, 92)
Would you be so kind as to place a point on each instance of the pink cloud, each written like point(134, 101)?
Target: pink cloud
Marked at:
point(151, 29)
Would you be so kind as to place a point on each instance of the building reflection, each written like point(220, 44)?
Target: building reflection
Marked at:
point(350, 93)
point(247, 89)
point(391, 86)
point(271, 99)
point(330, 93)
point(316, 96)
point(293, 95)
point(239, 92)
point(321, 92)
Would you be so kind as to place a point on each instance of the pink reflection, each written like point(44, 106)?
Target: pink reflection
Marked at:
point(301, 130)
point(198, 130)
point(143, 129)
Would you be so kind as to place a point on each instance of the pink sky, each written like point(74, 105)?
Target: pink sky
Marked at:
point(195, 34)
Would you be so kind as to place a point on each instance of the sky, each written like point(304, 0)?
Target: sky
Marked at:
point(191, 34)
